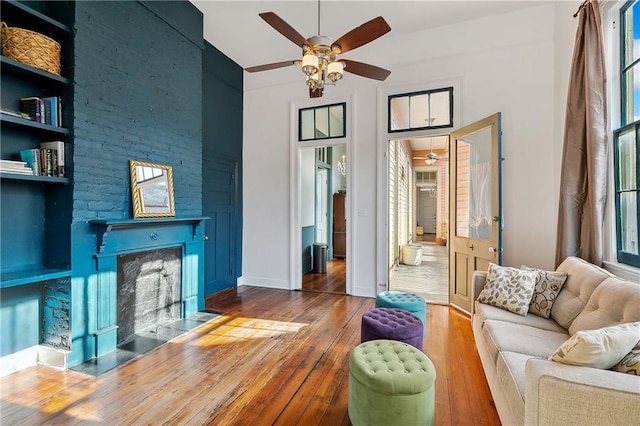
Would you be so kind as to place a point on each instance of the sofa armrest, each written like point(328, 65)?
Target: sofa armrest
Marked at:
point(479, 279)
point(565, 394)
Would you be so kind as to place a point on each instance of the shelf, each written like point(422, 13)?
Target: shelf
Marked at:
point(14, 279)
point(34, 178)
point(23, 122)
point(24, 10)
point(18, 69)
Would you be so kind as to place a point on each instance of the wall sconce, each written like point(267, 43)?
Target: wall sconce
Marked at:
point(342, 166)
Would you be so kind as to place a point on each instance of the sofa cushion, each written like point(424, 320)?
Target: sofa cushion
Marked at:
point(511, 373)
point(601, 348)
point(614, 301)
point(508, 288)
point(504, 336)
point(545, 292)
point(485, 312)
point(582, 279)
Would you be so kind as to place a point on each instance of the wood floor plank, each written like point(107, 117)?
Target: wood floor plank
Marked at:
point(272, 357)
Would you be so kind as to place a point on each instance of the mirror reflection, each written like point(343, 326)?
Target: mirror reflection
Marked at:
point(151, 190)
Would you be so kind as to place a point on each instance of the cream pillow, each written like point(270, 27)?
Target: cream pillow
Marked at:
point(508, 288)
point(601, 348)
point(548, 285)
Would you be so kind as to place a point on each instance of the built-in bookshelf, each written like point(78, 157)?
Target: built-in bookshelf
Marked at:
point(35, 222)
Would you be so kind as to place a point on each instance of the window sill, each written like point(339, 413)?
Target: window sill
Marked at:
point(621, 270)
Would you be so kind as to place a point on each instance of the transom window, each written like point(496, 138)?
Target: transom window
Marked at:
point(429, 109)
point(322, 122)
point(626, 147)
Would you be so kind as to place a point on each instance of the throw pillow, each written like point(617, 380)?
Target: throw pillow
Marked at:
point(508, 288)
point(601, 348)
point(548, 285)
point(630, 364)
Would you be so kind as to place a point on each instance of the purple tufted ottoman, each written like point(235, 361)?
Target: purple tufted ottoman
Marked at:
point(392, 324)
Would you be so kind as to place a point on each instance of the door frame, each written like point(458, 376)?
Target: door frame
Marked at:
point(382, 172)
point(295, 237)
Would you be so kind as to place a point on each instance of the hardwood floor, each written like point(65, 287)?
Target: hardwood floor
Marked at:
point(274, 357)
point(334, 281)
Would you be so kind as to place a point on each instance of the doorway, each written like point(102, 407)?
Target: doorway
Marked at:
point(323, 218)
point(417, 210)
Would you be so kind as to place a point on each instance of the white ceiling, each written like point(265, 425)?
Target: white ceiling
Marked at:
point(235, 28)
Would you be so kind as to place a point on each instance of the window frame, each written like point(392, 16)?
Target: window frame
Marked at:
point(315, 109)
point(624, 257)
point(419, 93)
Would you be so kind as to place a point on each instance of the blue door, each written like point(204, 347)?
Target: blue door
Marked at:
point(220, 195)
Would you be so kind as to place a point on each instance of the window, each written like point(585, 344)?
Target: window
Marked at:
point(323, 122)
point(626, 146)
point(429, 109)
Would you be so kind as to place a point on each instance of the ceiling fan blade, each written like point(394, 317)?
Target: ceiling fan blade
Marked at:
point(317, 93)
point(363, 34)
point(283, 28)
point(365, 70)
point(272, 66)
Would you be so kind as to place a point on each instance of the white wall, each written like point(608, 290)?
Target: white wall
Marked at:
point(307, 186)
point(515, 63)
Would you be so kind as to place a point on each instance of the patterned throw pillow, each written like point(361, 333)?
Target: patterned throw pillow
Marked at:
point(508, 288)
point(548, 285)
point(601, 348)
point(630, 364)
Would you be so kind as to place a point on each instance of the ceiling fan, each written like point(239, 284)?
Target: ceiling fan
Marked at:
point(320, 55)
point(432, 157)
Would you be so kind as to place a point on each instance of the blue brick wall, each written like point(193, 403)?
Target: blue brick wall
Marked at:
point(55, 318)
point(138, 95)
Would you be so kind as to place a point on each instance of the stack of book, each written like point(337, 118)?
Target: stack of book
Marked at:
point(48, 160)
point(17, 167)
point(43, 110)
point(12, 113)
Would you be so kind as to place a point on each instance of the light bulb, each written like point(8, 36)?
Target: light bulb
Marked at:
point(310, 64)
point(335, 71)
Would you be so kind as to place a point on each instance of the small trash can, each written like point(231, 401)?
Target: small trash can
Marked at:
point(320, 258)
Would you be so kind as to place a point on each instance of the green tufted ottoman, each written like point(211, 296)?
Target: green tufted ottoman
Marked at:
point(390, 383)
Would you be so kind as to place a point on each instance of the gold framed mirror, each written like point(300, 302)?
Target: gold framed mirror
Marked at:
point(151, 190)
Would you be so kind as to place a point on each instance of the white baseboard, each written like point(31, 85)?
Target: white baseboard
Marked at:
point(18, 361)
point(30, 357)
point(264, 282)
point(52, 357)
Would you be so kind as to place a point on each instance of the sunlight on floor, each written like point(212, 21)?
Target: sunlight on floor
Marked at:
point(242, 328)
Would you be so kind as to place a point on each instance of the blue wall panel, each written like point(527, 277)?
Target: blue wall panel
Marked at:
point(20, 318)
point(222, 168)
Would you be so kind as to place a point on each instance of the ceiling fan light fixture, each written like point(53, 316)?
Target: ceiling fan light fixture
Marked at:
point(431, 161)
point(314, 81)
point(310, 64)
point(335, 71)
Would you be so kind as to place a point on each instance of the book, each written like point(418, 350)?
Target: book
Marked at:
point(52, 110)
point(34, 107)
point(46, 163)
point(32, 158)
point(18, 167)
point(12, 113)
point(57, 146)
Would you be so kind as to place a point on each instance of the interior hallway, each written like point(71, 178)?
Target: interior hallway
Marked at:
point(430, 279)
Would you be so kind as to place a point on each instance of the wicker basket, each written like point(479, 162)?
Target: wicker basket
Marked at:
point(31, 48)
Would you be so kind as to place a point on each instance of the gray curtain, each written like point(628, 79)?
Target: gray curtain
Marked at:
point(583, 182)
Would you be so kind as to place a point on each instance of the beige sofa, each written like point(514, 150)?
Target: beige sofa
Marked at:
point(530, 389)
